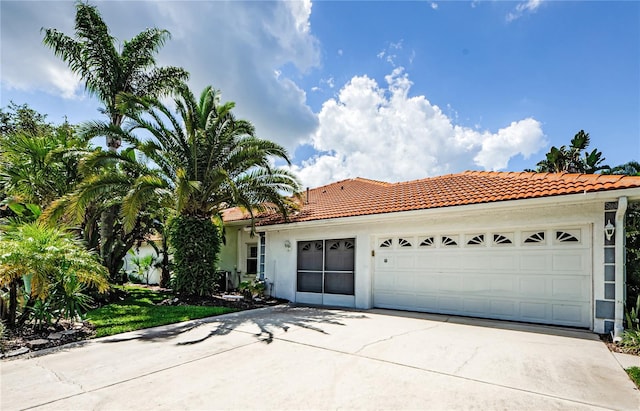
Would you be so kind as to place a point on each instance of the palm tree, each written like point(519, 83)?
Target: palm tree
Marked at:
point(45, 257)
point(107, 72)
point(115, 180)
point(571, 160)
point(38, 168)
point(631, 168)
point(209, 161)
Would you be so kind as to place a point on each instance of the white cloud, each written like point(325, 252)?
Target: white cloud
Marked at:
point(234, 46)
point(434, 5)
point(384, 133)
point(529, 6)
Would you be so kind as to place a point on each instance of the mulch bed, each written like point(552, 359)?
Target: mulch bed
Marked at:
point(606, 338)
point(30, 339)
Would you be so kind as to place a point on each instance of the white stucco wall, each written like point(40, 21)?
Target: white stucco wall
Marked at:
point(557, 212)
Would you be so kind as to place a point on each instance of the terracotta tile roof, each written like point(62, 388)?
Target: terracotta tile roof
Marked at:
point(359, 196)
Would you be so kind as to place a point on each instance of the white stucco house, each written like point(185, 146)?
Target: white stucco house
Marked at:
point(531, 247)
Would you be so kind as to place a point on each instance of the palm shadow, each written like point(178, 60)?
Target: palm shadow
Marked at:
point(268, 320)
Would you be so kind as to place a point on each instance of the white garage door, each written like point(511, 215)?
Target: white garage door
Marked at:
point(540, 276)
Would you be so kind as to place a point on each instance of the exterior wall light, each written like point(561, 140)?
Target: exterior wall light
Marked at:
point(287, 245)
point(609, 229)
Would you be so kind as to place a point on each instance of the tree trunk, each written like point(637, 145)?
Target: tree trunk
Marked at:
point(107, 240)
point(165, 278)
point(13, 303)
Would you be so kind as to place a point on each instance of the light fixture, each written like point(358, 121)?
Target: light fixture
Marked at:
point(609, 229)
point(287, 245)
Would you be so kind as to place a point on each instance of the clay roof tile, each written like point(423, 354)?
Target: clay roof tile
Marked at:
point(361, 196)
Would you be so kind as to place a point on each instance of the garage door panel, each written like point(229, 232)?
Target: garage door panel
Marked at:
point(502, 285)
point(534, 311)
point(405, 282)
point(569, 262)
point(535, 261)
point(571, 289)
point(543, 281)
point(448, 261)
point(503, 308)
point(474, 261)
point(405, 261)
point(568, 313)
point(475, 306)
point(476, 285)
point(504, 261)
point(450, 283)
point(534, 287)
point(450, 304)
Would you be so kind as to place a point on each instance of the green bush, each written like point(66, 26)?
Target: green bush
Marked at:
point(252, 289)
point(195, 242)
point(631, 336)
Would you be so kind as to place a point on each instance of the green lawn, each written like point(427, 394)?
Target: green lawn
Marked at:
point(634, 374)
point(138, 310)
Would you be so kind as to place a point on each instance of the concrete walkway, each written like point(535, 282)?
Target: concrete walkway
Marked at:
point(308, 358)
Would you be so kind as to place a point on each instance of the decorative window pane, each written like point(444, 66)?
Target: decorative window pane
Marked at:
point(340, 245)
point(404, 243)
point(386, 243)
point(566, 237)
point(427, 242)
point(535, 238)
point(476, 240)
point(448, 241)
point(501, 239)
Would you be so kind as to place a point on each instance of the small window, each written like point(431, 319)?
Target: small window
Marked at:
point(476, 240)
point(534, 238)
point(404, 243)
point(386, 243)
point(427, 242)
point(566, 237)
point(501, 239)
point(448, 241)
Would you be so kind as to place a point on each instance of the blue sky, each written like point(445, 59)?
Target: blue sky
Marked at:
point(385, 90)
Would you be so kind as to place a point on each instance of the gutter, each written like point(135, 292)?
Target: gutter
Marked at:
point(618, 327)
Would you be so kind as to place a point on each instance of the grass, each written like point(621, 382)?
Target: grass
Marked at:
point(634, 374)
point(139, 310)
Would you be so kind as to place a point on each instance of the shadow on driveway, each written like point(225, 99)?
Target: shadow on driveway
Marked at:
point(266, 319)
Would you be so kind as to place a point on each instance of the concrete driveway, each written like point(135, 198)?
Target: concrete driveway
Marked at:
point(308, 358)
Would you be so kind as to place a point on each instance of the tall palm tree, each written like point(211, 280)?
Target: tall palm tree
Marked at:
point(107, 71)
point(209, 161)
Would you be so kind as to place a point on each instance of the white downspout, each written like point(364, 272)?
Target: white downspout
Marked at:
point(620, 268)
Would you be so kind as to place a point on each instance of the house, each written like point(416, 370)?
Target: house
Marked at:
point(531, 247)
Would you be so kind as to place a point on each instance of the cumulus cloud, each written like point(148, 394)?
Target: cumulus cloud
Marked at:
point(384, 133)
point(26, 64)
point(234, 46)
point(529, 6)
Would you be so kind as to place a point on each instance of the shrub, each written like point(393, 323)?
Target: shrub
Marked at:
point(51, 267)
point(195, 242)
point(631, 336)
